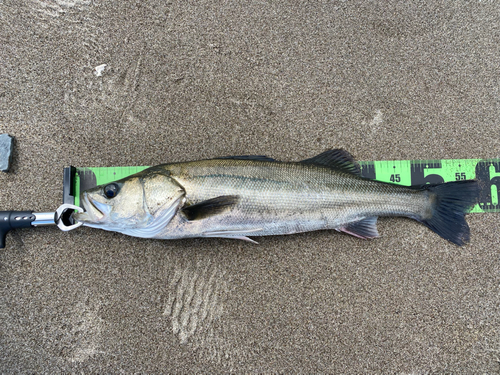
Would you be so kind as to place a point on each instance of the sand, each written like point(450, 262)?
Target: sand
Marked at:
point(111, 83)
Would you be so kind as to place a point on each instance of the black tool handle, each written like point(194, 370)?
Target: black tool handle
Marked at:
point(13, 220)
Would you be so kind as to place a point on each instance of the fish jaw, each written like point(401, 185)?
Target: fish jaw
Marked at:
point(95, 212)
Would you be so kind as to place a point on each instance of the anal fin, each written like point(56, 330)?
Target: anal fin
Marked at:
point(365, 228)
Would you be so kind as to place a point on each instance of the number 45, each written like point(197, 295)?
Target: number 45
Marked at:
point(395, 178)
point(460, 176)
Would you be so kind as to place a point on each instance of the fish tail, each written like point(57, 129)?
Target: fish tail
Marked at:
point(449, 204)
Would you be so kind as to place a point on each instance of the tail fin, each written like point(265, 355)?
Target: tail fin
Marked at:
point(451, 202)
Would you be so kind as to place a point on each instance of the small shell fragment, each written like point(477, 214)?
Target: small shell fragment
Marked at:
point(99, 69)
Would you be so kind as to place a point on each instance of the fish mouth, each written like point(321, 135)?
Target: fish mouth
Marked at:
point(92, 212)
point(92, 203)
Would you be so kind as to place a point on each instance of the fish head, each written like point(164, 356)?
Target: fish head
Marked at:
point(146, 200)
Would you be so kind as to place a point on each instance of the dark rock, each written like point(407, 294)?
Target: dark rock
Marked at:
point(6, 147)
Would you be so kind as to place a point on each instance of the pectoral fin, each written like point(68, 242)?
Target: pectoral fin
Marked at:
point(209, 207)
point(365, 228)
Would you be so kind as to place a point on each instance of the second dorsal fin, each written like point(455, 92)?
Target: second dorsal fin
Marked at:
point(336, 159)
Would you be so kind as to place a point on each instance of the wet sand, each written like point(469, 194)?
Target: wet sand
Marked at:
point(186, 80)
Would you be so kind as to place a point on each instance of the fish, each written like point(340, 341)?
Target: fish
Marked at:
point(239, 197)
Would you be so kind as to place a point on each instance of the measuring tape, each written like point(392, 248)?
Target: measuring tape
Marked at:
point(401, 172)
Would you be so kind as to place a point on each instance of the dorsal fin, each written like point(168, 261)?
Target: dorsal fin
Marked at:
point(248, 157)
point(336, 159)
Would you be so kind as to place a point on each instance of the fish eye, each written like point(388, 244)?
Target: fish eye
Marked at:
point(111, 190)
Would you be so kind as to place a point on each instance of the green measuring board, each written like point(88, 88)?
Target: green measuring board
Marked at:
point(402, 172)
point(86, 178)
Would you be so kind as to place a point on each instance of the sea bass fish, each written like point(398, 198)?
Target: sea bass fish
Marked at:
point(240, 196)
